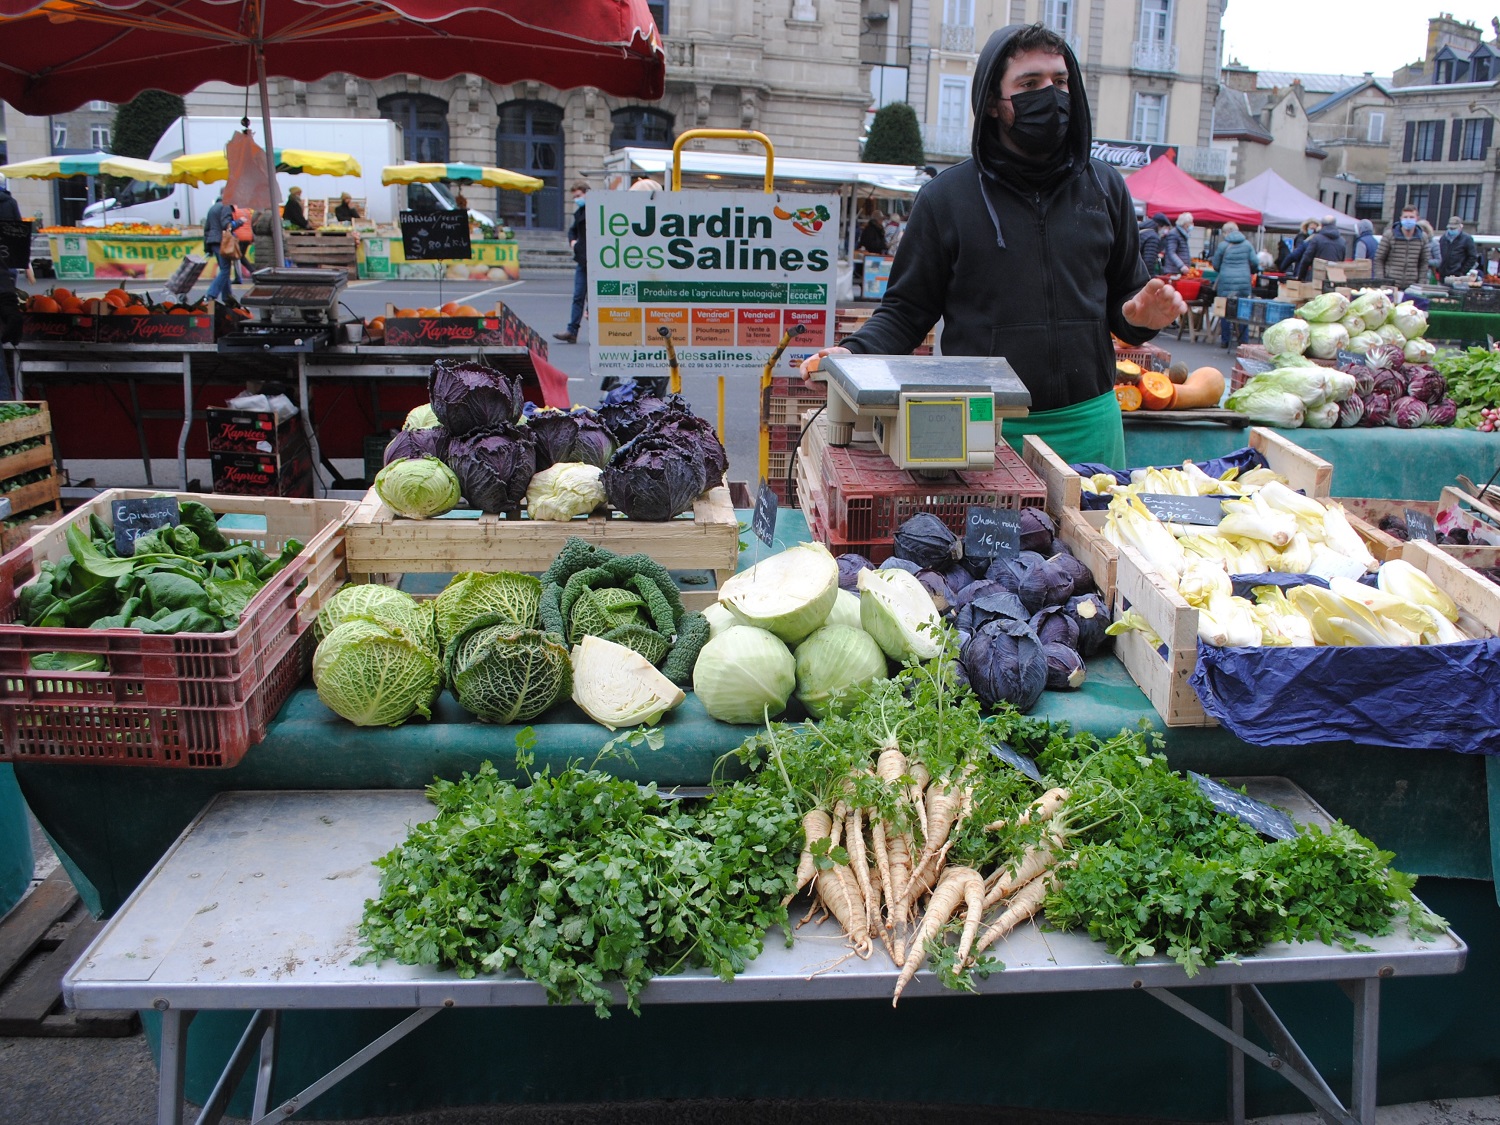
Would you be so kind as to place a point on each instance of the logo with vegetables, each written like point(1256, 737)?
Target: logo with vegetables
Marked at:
point(807, 220)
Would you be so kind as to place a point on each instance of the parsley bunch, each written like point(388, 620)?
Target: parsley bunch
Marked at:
point(581, 879)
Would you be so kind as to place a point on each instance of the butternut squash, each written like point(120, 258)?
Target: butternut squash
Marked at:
point(1157, 390)
point(1203, 388)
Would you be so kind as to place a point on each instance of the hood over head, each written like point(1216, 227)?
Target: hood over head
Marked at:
point(1364, 226)
point(984, 143)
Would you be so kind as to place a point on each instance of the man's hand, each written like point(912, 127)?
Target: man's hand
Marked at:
point(810, 364)
point(1155, 306)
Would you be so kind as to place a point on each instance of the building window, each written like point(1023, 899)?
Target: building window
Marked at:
point(1150, 118)
point(1472, 146)
point(957, 33)
point(1442, 73)
point(99, 137)
point(100, 107)
point(953, 116)
point(1483, 67)
point(1428, 141)
point(59, 135)
point(1156, 21)
point(1375, 128)
point(1466, 202)
point(641, 127)
point(529, 139)
point(1418, 196)
point(659, 14)
point(1058, 15)
point(959, 13)
point(424, 125)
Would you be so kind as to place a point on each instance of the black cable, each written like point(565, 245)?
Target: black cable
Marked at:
point(791, 462)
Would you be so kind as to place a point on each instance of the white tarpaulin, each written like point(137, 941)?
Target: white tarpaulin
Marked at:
point(1282, 206)
point(790, 172)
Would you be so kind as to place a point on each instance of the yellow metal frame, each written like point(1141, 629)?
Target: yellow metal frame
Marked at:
point(765, 383)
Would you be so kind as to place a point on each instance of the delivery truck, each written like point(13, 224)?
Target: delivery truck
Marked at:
point(374, 142)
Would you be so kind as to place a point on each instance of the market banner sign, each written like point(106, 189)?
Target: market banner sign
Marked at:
point(1128, 156)
point(128, 257)
point(726, 273)
point(488, 260)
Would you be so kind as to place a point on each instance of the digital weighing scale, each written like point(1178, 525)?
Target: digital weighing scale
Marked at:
point(928, 414)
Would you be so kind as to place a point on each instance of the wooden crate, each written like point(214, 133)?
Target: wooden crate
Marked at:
point(1305, 472)
point(380, 544)
point(1470, 554)
point(1164, 673)
point(311, 250)
point(40, 499)
point(1080, 530)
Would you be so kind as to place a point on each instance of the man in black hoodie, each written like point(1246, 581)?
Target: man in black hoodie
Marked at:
point(10, 305)
point(1028, 250)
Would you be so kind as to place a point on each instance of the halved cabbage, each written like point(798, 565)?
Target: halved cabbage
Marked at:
point(788, 594)
point(896, 609)
point(845, 610)
point(744, 674)
point(835, 657)
point(719, 618)
point(618, 687)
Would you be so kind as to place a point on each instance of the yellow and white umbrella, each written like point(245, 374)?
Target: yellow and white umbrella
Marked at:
point(213, 167)
point(459, 174)
point(89, 164)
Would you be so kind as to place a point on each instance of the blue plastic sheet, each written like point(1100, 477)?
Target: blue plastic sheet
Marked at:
point(1242, 459)
point(1423, 697)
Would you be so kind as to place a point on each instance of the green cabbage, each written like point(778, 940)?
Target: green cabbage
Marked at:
point(421, 418)
point(1353, 325)
point(744, 674)
point(1363, 342)
point(381, 603)
point(1372, 306)
point(896, 609)
point(474, 594)
point(845, 610)
point(1409, 320)
point(618, 687)
point(1265, 402)
point(507, 674)
point(719, 618)
point(564, 490)
point(1325, 340)
point(834, 658)
point(373, 673)
point(1285, 336)
point(1325, 308)
point(788, 594)
point(1307, 382)
point(418, 488)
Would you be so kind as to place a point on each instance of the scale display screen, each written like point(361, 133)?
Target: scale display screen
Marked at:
point(936, 430)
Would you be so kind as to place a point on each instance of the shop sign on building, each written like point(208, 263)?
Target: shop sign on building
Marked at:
point(726, 273)
point(1128, 156)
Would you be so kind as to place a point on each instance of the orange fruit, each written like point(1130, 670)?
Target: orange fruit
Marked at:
point(70, 304)
point(450, 309)
point(43, 304)
point(465, 310)
point(180, 310)
point(429, 312)
point(405, 314)
point(60, 295)
point(377, 324)
point(117, 298)
point(95, 306)
point(133, 310)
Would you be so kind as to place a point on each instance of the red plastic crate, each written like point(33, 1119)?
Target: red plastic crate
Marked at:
point(859, 498)
point(185, 699)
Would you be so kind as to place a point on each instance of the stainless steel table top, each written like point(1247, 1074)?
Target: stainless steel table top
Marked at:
point(258, 903)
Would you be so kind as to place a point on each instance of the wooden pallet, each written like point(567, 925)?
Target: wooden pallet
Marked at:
point(39, 942)
point(378, 543)
point(317, 251)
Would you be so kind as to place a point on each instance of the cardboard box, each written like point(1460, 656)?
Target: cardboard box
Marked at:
point(163, 328)
point(1338, 272)
point(1298, 291)
point(288, 473)
point(59, 328)
point(250, 431)
point(1220, 306)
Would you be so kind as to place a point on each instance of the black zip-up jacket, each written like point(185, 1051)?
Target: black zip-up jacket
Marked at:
point(1036, 276)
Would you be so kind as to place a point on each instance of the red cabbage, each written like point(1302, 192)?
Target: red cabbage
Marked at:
point(1443, 413)
point(1408, 413)
point(850, 564)
point(679, 424)
point(1383, 356)
point(494, 466)
point(1426, 384)
point(576, 435)
point(1390, 383)
point(927, 541)
point(655, 477)
point(1351, 410)
point(625, 410)
point(1091, 616)
point(468, 395)
point(987, 605)
point(1005, 664)
point(1037, 530)
point(1377, 409)
point(1074, 568)
point(416, 444)
point(1065, 670)
point(1054, 625)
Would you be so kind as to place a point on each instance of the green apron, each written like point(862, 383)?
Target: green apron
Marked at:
point(1086, 431)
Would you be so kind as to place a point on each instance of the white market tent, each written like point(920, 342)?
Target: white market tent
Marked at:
point(790, 172)
point(1282, 206)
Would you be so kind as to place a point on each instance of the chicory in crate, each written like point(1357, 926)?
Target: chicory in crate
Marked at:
point(1242, 460)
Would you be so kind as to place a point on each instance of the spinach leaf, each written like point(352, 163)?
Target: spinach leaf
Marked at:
point(68, 662)
point(204, 524)
point(186, 620)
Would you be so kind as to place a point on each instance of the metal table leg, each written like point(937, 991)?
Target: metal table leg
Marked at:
point(265, 1074)
point(218, 1101)
point(187, 419)
point(174, 1026)
point(305, 405)
point(1365, 995)
point(140, 429)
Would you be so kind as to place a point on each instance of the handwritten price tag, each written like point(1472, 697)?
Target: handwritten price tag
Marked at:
point(763, 523)
point(133, 518)
point(992, 533)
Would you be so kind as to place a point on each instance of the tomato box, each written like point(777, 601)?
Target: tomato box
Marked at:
point(59, 328)
point(286, 473)
point(250, 431)
point(158, 328)
point(445, 332)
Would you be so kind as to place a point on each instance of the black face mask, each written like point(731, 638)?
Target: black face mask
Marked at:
point(1040, 123)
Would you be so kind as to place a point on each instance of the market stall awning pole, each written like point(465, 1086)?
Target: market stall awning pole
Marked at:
point(278, 251)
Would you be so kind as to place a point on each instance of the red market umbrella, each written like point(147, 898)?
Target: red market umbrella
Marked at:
point(57, 54)
point(1162, 186)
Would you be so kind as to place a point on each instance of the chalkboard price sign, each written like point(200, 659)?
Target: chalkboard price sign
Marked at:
point(133, 518)
point(430, 235)
point(763, 522)
point(992, 533)
point(1205, 510)
point(1419, 525)
point(1257, 814)
point(15, 244)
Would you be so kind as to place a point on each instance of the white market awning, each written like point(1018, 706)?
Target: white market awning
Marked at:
point(789, 172)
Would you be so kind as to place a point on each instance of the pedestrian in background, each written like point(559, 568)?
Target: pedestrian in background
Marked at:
point(293, 213)
point(219, 219)
point(1233, 259)
point(1176, 251)
point(245, 234)
point(1402, 254)
point(1457, 254)
point(10, 303)
point(1434, 251)
point(1327, 244)
point(578, 243)
point(1151, 232)
point(1365, 242)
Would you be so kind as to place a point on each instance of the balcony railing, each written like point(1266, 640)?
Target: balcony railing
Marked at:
point(949, 141)
point(1151, 55)
point(1205, 163)
point(957, 37)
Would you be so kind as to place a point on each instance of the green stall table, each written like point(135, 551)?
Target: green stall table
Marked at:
point(111, 824)
point(16, 860)
point(1465, 327)
point(1381, 462)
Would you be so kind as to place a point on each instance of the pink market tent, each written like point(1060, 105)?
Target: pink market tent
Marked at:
point(1162, 186)
point(1282, 206)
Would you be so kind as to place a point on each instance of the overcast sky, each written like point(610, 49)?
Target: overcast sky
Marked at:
point(1339, 36)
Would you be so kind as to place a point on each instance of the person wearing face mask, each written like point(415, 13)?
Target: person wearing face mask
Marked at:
point(1459, 254)
point(1028, 250)
point(1176, 255)
point(1402, 254)
point(1326, 243)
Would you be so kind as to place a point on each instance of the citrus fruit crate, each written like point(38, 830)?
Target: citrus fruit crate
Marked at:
point(862, 498)
point(382, 545)
point(1164, 672)
point(182, 699)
